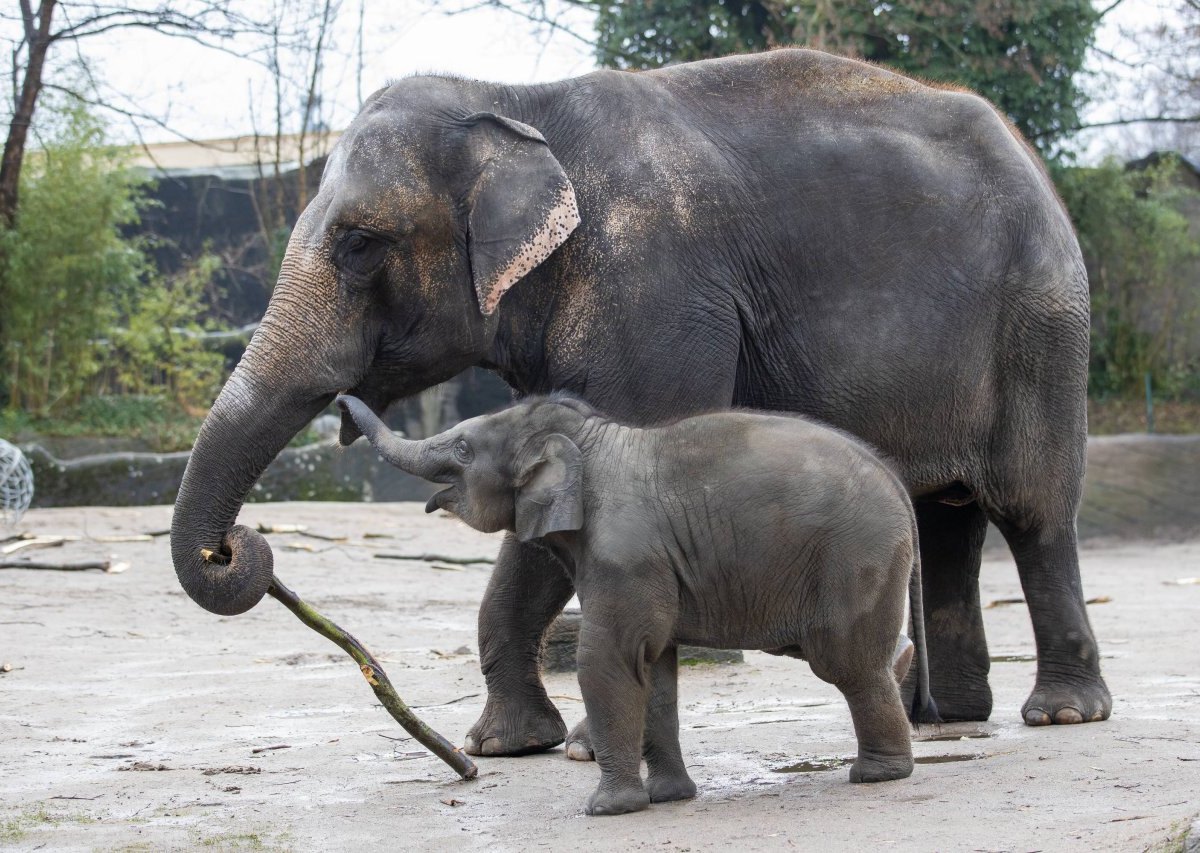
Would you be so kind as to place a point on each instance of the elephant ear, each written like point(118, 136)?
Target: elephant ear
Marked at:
point(522, 207)
point(550, 489)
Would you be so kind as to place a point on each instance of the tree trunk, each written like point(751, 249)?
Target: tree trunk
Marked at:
point(18, 129)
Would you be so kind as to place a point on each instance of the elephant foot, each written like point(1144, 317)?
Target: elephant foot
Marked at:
point(620, 801)
point(579, 743)
point(665, 789)
point(965, 699)
point(509, 727)
point(880, 768)
point(1062, 703)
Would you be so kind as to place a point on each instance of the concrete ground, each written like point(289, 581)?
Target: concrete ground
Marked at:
point(131, 719)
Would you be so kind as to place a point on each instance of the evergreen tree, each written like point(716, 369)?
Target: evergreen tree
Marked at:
point(1020, 54)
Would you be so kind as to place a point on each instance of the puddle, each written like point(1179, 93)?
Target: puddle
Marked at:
point(958, 737)
point(947, 759)
point(1013, 658)
point(820, 765)
point(814, 765)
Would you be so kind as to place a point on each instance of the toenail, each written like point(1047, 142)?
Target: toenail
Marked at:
point(1068, 716)
point(1036, 717)
point(578, 752)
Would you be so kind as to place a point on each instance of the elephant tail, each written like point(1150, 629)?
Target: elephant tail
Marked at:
point(924, 709)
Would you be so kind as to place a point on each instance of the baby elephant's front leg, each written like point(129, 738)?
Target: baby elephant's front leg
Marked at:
point(615, 680)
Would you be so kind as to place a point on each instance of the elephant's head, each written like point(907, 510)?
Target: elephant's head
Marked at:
point(428, 211)
point(518, 470)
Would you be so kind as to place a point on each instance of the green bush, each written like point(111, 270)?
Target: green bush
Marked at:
point(153, 421)
point(159, 350)
point(95, 340)
point(1142, 259)
point(64, 265)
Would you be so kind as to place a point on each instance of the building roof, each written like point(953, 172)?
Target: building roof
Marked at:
point(232, 157)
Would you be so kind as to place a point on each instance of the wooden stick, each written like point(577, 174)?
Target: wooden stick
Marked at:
point(378, 680)
point(102, 565)
point(436, 558)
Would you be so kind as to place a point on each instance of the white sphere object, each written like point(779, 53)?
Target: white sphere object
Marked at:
point(16, 484)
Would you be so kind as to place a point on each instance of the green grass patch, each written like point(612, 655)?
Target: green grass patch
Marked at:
point(15, 828)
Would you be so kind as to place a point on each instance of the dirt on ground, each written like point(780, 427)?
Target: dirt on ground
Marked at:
point(130, 719)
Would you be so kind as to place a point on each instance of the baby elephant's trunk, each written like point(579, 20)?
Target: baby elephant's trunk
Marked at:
point(415, 457)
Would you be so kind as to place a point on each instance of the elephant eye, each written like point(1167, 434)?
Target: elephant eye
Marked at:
point(360, 254)
point(462, 451)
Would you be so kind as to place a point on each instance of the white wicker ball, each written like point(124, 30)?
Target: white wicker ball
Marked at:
point(16, 484)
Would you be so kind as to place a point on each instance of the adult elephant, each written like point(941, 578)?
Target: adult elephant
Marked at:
point(788, 231)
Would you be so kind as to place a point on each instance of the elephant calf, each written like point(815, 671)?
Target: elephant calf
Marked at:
point(731, 530)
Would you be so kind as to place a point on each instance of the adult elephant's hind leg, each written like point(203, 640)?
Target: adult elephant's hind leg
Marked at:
point(1069, 687)
point(527, 590)
point(951, 541)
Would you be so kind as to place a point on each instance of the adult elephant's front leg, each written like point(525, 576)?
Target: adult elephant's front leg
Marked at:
point(528, 589)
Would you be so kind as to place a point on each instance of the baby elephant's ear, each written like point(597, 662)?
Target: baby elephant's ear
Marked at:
point(550, 489)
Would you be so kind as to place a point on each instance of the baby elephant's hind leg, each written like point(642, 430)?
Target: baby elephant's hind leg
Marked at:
point(667, 778)
point(884, 743)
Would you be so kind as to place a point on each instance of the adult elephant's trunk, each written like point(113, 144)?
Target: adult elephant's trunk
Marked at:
point(226, 568)
point(283, 381)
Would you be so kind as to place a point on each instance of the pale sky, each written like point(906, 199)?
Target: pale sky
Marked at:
point(208, 94)
point(205, 94)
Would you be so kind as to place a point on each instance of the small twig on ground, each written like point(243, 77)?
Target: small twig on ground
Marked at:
point(107, 566)
point(125, 537)
point(259, 749)
point(302, 530)
point(436, 558)
point(37, 542)
point(327, 537)
point(451, 702)
point(280, 528)
point(378, 680)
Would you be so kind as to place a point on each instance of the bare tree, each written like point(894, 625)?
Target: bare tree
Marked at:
point(55, 23)
point(298, 40)
point(1151, 75)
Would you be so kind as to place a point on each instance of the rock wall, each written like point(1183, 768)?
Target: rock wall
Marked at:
point(1137, 486)
point(318, 472)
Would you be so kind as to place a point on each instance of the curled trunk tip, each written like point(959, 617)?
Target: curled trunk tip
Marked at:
point(228, 580)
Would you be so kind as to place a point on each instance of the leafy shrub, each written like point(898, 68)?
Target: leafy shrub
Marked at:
point(64, 265)
point(160, 350)
point(1142, 259)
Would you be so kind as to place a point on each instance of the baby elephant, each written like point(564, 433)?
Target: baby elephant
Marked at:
point(732, 530)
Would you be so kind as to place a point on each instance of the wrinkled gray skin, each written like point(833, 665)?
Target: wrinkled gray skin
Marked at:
point(733, 530)
point(788, 231)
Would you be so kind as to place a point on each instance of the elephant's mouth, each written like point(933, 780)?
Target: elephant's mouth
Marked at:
point(446, 499)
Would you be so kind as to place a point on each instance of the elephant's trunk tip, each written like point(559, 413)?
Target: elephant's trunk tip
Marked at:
point(229, 580)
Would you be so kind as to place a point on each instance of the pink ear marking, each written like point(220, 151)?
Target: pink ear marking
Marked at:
point(560, 221)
